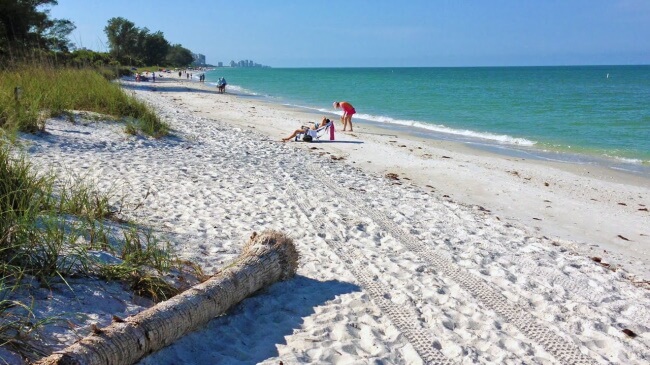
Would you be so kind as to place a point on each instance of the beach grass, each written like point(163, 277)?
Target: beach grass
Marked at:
point(47, 226)
point(144, 259)
point(29, 94)
point(48, 231)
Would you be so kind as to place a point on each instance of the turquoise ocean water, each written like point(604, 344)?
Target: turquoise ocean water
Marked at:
point(583, 114)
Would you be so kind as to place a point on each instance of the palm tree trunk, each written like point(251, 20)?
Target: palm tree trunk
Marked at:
point(266, 258)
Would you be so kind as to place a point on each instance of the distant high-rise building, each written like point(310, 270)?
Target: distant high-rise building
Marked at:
point(246, 63)
point(199, 59)
point(220, 64)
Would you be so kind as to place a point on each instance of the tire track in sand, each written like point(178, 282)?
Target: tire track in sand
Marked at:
point(405, 319)
point(564, 351)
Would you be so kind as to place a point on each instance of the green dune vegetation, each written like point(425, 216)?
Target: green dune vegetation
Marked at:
point(53, 227)
point(52, 230)
point(29, 94)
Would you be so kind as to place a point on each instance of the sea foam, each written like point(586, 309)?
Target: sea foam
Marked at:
point(438, 128)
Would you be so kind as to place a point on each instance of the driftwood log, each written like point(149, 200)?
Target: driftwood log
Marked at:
point(266, 258)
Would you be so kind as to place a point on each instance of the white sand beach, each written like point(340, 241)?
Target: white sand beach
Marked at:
point(461, 257)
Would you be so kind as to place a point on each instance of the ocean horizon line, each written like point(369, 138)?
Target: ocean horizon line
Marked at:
point(442, 67)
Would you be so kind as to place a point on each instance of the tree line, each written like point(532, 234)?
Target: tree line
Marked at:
point(139, 46)
point(27, 30)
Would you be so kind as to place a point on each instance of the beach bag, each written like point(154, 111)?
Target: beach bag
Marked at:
point(307, 138)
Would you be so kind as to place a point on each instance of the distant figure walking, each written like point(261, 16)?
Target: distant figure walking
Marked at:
point(221, 85)
point(348, 111)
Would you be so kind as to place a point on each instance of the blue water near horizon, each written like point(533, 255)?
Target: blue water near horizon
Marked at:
point(584, 114)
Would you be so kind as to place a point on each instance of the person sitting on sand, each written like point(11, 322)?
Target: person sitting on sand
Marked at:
point(304, 129)
point(348, 111)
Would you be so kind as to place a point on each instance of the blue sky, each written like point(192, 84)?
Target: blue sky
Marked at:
point(371, 33)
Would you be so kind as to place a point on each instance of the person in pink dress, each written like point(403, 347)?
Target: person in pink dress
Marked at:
point(348, 111)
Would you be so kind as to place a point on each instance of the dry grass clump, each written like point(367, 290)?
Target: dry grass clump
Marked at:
point(275, 241)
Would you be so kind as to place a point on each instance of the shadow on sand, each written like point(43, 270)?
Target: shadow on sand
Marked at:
point(339, 141)
point(250, 332)
point(69, 139)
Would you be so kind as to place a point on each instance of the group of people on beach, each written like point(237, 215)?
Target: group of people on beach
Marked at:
point(221, 84)
point(346, 119)
point(145, 76)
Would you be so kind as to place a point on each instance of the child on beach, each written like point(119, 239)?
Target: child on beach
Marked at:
point(348, 111)
point(305, 129)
